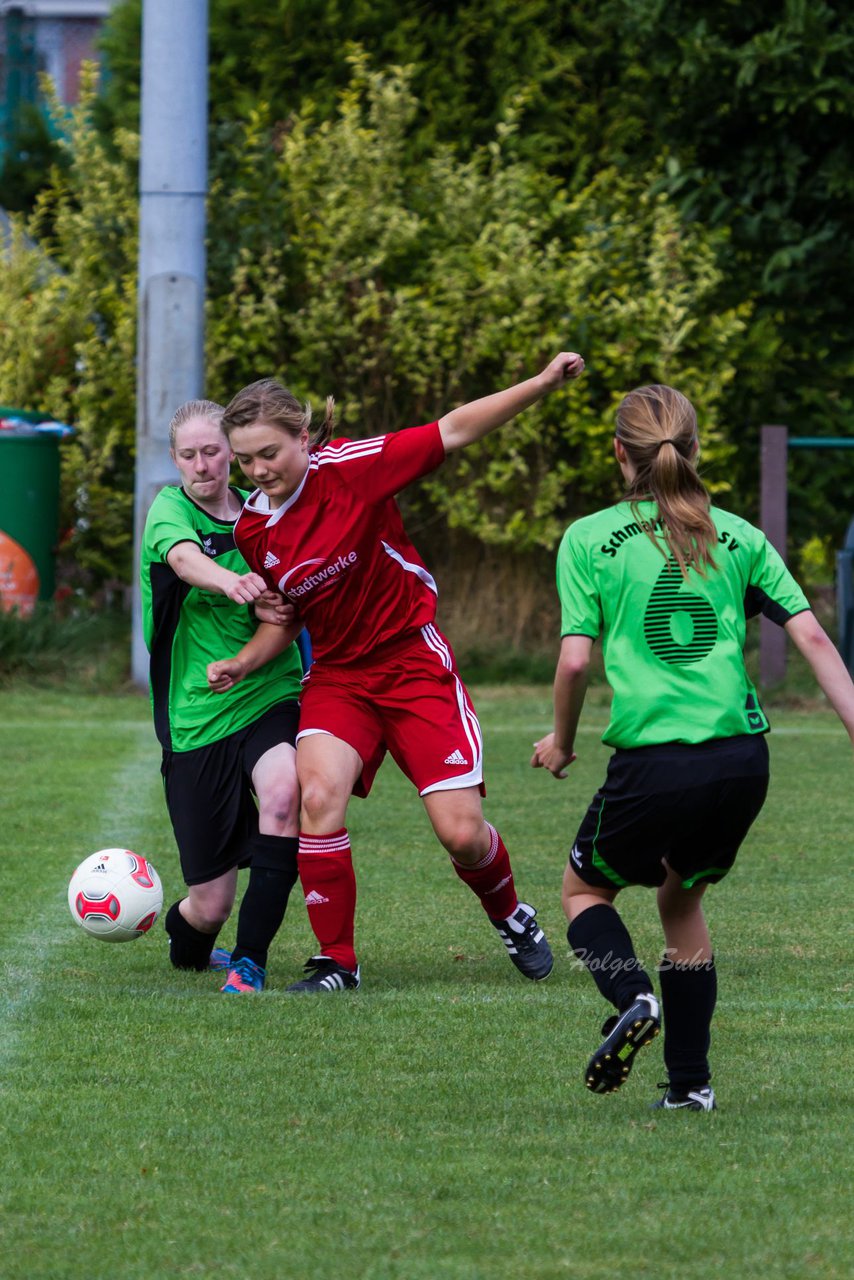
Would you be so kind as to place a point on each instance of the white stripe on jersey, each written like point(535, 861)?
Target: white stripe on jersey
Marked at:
point(346, 451)
point(417, 569)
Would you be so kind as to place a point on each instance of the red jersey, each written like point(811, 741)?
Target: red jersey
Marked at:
point(337, 548)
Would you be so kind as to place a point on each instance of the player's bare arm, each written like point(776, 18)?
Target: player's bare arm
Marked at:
point(192, 566)
point(555, 751)
point(267, 643)
point(470, 422)
point(810, 638)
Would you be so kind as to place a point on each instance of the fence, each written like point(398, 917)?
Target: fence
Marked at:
point(773, 517)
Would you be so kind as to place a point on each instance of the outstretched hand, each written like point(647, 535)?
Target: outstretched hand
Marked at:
point(564, 367)
point(471, 422)
point(548, 756)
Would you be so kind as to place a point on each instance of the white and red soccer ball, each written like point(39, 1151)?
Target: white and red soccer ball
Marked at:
point(115, 895)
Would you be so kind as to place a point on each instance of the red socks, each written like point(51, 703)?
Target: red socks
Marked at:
point(492, 879)
point(329, 884)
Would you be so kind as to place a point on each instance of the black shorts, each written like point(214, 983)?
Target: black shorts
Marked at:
point(689, 804)
point(209, 793)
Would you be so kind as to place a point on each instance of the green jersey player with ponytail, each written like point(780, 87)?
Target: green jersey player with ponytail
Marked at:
point(666, 580)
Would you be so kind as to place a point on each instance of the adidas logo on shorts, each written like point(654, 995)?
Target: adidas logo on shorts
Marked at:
point(315, 899)
point(270, 561)
point(456, 757)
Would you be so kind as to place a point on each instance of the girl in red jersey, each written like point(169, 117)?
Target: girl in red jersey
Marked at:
point(322, 527)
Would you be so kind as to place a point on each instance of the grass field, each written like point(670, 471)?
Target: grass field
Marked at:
point(433, 1126)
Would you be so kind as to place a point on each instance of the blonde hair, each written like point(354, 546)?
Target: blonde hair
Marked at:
point(274, 404)
point(657, 427)
point(207, 409)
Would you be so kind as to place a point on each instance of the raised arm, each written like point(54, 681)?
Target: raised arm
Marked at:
point(827, 666)
point(472, 421)
point(192, 565)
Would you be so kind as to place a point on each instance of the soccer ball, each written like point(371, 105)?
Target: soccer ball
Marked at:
point(115, 895)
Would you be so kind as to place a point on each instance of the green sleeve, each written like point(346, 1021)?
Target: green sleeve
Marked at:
point(580, 610)
point(772, 589)
point(169, 522)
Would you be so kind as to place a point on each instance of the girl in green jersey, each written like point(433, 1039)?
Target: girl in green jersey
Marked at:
point(667, 580)
point(201, 602)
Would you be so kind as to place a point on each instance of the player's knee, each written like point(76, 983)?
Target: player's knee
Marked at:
point(678, 903)
point(466, 839)
point(320, 801)
point(213, 917)
point(673, 910)
point(209, 912)
point(278, 809)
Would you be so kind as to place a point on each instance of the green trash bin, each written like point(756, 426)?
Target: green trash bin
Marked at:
point(29, 507)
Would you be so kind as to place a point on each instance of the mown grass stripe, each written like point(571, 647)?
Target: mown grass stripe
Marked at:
point(28, 955)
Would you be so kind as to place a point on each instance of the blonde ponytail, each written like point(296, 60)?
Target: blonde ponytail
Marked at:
point(325, 431)
point(657, 427)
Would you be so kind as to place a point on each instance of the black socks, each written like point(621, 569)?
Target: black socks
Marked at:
point(189, 948)
point(688, 996)
point(688, 992)
point(272, 875)
point(602, 942)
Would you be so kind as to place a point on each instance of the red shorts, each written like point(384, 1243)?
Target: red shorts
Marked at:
point(410, 702)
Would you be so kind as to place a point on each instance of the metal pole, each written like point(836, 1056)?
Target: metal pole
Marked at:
point(773, 521)
point(845, 598)
point(173, 187)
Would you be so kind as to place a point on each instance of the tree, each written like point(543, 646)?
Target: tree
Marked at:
point(740, 113)
point(342, 261)
point(67, 337)
point(30, 151)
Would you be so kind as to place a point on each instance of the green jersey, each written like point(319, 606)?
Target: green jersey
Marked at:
point(672, 648)
point(186, 628)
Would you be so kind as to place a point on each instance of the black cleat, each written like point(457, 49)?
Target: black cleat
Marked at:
point(324, 974)
point(624, 1035)
point(526, 943)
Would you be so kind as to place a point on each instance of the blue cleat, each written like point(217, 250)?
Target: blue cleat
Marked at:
point(245, 976)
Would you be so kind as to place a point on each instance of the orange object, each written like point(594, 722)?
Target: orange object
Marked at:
point(19, 577)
